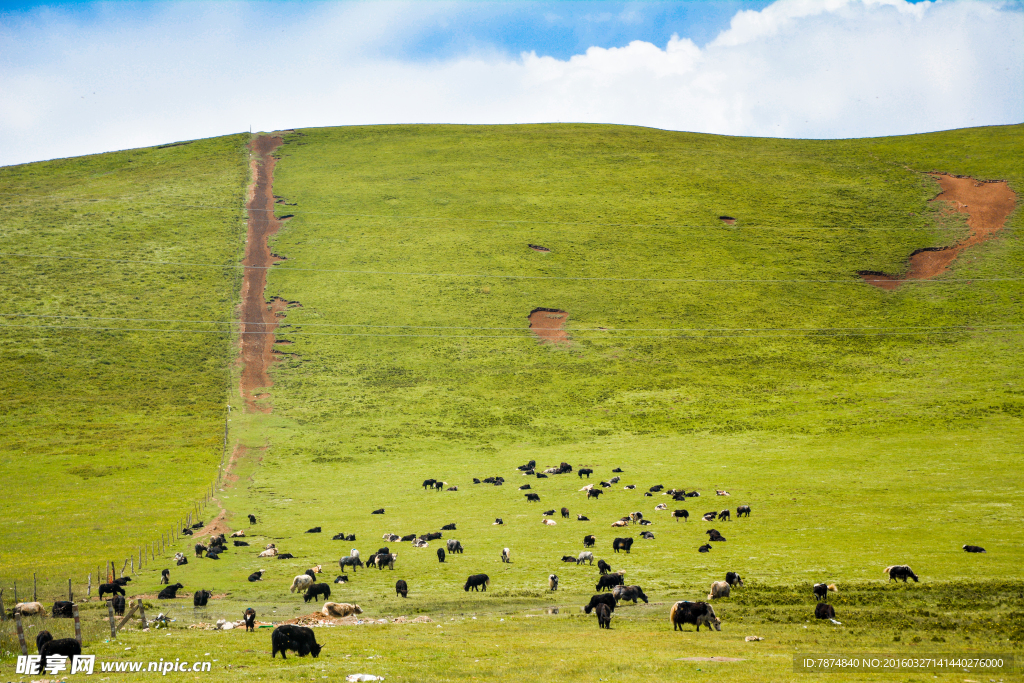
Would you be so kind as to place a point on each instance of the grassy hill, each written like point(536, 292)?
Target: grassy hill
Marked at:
point(111, 426)
point(864, 427)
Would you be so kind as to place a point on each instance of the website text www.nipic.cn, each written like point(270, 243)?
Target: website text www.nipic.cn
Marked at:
point(86, 664)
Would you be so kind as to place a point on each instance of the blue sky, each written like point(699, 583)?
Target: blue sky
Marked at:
point(93, 77)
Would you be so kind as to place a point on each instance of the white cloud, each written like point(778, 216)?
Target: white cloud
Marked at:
point(798, 68)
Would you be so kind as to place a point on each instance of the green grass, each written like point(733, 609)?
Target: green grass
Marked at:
point(109, 436)
point(865, 428)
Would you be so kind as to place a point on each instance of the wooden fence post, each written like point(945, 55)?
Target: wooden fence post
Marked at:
point(123, 567)
point(21, 634)
point(88, 590)
point(128, 615)
point(15, 592)
point(78, 624)
point(133, 565)
point(3, 610)
point(142, 614)
point(71, 597)
point(140, 558)
point(110, 615)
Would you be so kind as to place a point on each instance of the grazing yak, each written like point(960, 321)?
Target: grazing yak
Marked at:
point(609, 581)
point(821, 590)
point(733, 579)
point(568, 558)
point(454, 546)
point(292, 637)
point(681, 514)
point(62, 609)
point(428, 483)
point(553, 582)
point(589, 541)
point(706, 548)
point(165, 577)
point(252, 519)
point(628, 593)
point(696, 613)
point(301, 583)
point(350, 561)
point(974, 549)
point(584, 470)
point(440, 554)
point(565, 513)
point(200, 598)
point(585, 556)
point(200, 549)
point(256, 576)
point(743, 511)
point(42, 638)
point(901, 571)
point(600, 599)
point(123, 581)
point(448, 527)
point(170, 592)
point(635, 517)
point(317, 590)
point(719, 589)
point(823, 610)
point(603, 567)
point(594, 493)
point(249, 616)
point(724, 514)
point(532, 497)
point(401, 588)
point(380, 560)
point(340, 609)
point(622, 544)
point(604, 616)
point(62, 647)
point(649, 535)
point(111, 588)
point(506, 555)
point(117, 602)
point(476, 581)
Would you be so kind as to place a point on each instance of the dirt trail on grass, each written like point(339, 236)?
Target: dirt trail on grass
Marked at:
point(987, 204)
point(259, 319)
point(549, 325)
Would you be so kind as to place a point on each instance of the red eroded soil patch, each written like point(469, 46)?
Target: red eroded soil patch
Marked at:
point(987, 205)
point(549, 325)
point(259, 319)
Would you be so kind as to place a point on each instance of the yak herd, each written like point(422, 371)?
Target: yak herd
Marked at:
point(610, 588)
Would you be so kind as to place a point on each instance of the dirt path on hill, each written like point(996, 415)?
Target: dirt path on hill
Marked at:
point(259, 319)
point(987, 204)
